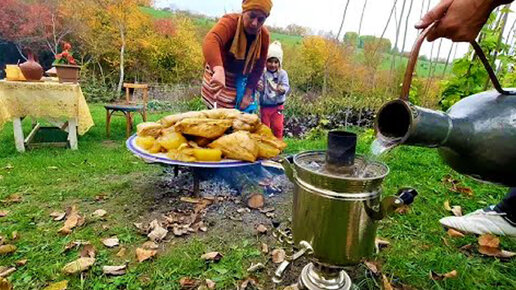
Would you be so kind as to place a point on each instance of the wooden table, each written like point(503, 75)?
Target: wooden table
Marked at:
point(63, 105)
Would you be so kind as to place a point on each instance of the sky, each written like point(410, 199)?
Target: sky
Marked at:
point(326, 15)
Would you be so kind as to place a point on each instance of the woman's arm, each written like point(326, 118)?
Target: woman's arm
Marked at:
point(216, 40)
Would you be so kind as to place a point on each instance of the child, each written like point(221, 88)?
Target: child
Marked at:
point(273, 88)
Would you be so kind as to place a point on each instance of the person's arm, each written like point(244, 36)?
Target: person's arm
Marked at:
point(459, 20)
point(213, 47)
point(284, 85)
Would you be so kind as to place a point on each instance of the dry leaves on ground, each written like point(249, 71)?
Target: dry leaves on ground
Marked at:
point(99, 213)
point(386, 284)
point(255, 267)
point(58, 216)
point(489, 245)
point(121, 253)
point(374, 267)
point(14, 235)
point(249, 283)
point(74, 244)
point(79, 265)
point(210, 284)
point(261, 229)
point(455, 234)
point(6, 271)
point(13, 198)
point(4, 213)
point(264, 248)
point(62, 285)
point(455, 186)
point(111, 242)
point(188, 283)
point(142, 254)
point(158, 233)
point(278, 256)
point(212, 256)
point(5, 284)
point(88, 251)
point(21, 263)
point(114, 270)
point(149, 245)
point(7, 249)
point(437, 277)
point(73, 220)
point(380, 244)
point(256, 201)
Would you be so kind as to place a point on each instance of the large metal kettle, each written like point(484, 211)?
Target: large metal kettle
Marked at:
point(476, 136)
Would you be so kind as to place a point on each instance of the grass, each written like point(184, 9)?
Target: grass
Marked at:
point(52, 179)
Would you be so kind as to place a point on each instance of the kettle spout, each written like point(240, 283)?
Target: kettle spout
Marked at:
point(403, 123)
point(389, 204)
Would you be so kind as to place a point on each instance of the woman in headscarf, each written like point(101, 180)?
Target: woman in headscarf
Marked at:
point(235, 52)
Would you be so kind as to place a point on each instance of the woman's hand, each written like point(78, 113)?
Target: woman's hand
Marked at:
point(459, 20)
point(247, 99)
point(218, 80)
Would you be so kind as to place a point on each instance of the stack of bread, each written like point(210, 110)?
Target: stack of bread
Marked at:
point(210, 136)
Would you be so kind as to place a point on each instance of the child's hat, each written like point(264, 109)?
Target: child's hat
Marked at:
point(276, 51)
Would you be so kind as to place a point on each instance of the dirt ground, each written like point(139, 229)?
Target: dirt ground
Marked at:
point(228, 217)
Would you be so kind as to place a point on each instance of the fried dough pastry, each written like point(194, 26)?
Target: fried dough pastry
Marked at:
point(238, 145)
point(207, 128)
point(149, 129)
point(171, 120)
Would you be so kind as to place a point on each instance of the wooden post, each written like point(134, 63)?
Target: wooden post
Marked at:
point(145, 100)
point(108, 122)
point(18, 135)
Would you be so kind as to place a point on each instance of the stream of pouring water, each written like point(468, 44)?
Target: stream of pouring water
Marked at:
point(378, 148)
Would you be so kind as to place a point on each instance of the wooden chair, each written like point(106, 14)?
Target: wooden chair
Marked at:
point(128, 108)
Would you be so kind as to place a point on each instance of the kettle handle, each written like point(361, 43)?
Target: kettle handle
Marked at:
point(414, 54)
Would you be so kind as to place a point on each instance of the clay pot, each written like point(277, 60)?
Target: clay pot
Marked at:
point(30, 69)
point(67, 73)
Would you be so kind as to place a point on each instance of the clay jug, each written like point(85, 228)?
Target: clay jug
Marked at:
point(30, 69)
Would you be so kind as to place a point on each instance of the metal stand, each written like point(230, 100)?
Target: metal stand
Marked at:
point(196, 182)
point(314, 277)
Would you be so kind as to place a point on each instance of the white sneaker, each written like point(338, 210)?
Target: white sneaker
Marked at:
point(482, 221)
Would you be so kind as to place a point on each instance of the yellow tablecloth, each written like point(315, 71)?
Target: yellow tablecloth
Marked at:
point(44, 100)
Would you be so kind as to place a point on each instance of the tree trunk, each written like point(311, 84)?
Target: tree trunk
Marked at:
point(406, 27)
point(122, 52)
point(342, 21)
point(362, 18)
point(448, 59)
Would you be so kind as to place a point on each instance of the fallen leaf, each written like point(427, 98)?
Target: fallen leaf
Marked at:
point(111, 242)
point(190, 200)
point(386, 283)
point(380, 244)
point(495, 252)
point(58, 216)
point(7, 249)
point(447, 206)
point(437, 277)
point(4, 213)
point(261, 229)
point(74, 244)
point(9, 166)
point(100, 197)
point(149, 245)
point(5, 284)
point(203, 229)
point(13, 198)
point(158, 233)
point(373, 267)
point(212, 256)
point(121, 253)
point(489, 240)
point(15, 235)
point(21, 263)
point(463, 190)
point(79, 265)
point(265, 248)
point(143, 229)
point(457, 210)
point(6, 271)
point(188, 283)
point(403, 209)
point(57, 286)
point(256, 201)
point(88, 251)
point(99, 213)
point(114, 270)
point(278, 256)
point(73, 220)
point(455, 234)
point(255, 267)
point(210, 284)
point(249, 282)
point(142, 254)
